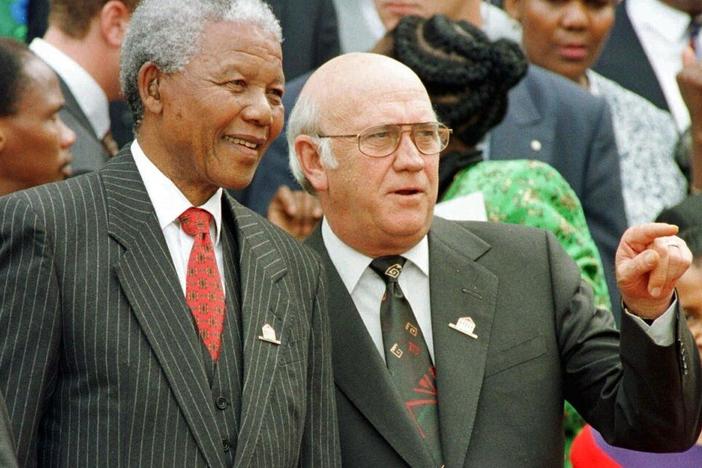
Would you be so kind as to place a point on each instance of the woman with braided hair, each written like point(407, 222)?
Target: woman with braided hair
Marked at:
point(468, 78)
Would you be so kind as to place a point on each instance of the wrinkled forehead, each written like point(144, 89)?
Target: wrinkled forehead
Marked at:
point(368, 102)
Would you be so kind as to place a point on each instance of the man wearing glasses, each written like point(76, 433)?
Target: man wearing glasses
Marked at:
point(455, 343)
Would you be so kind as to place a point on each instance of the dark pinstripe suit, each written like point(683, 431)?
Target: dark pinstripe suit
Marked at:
point(99, 359)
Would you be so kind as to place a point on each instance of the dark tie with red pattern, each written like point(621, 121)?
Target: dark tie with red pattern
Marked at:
point(203, 286)
point(407, 355)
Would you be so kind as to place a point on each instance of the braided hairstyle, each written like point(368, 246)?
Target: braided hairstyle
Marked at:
point(467, 75)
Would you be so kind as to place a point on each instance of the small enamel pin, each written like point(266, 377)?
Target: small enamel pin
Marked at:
point(465, 325)
point(268, 335)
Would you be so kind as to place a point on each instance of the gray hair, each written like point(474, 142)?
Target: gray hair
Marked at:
point(305, 120)
point(168, 34)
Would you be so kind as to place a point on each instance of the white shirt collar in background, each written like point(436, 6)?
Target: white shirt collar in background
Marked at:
point(663, 33)
point(90, 96)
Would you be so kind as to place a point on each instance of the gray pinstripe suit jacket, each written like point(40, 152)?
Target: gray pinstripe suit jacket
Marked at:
point(99, 360)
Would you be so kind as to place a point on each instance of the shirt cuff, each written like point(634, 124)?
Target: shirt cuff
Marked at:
point(662, 329)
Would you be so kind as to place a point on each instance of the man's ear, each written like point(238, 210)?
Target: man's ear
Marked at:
point(149, 82)
point(307, 153)
point(114, 20)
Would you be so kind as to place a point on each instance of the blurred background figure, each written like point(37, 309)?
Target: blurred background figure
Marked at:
point(589, 449)
point(567, 37)
point(13, 19)
point(34, 141)
point(82, 45)
point(644, 51)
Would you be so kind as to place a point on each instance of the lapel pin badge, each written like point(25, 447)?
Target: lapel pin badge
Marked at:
point(465, 325)
point(268, 335)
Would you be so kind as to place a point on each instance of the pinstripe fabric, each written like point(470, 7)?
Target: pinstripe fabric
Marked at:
point(99, 359)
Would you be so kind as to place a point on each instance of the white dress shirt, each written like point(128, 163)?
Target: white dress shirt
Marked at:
point(366, 287)
point(90, 96)
point(169, 203)
point(664, 34)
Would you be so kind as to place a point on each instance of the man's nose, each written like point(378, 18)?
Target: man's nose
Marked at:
point(67, 137)
point(407, 156)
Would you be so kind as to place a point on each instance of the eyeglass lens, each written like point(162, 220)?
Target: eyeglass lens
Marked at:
point(429, 138)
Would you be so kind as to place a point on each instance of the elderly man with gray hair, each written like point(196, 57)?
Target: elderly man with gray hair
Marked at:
point(455, 344)
point(147, 318)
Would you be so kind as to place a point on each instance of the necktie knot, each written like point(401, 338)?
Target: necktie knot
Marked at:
point(195, 221)
point(389, 267)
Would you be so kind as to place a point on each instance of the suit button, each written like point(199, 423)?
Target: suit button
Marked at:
point(221, 403)
point(225, 445)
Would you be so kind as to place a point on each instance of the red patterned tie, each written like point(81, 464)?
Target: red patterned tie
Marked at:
point(203, 286)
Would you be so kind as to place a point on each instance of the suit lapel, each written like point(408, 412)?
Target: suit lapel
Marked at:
point(262, 302)
point(624, 60)
point(75, 110)
point(459, 288)
point(360, 373)
point(150, 283)
point(525, 131)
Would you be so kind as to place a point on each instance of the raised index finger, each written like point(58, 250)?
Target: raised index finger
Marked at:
point(639, 237)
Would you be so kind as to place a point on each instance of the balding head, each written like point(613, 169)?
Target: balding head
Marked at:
point(338, 85)
point(333, 94)
point(377, 205)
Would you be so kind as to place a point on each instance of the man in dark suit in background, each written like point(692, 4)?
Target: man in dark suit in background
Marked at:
point(548, 119)
point(82, 44)
point(456, 343)
point(645, 47)
point(310, 32)
point(148, 319)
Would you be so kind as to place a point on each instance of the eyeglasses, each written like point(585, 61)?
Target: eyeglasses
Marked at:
point(380, 141)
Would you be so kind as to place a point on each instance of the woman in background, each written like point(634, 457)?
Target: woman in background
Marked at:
point(566, 37)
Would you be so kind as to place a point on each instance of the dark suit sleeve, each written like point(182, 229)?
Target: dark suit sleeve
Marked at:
point(602, 199)
point(29, 321)
point(637, 394)
point(320, 444)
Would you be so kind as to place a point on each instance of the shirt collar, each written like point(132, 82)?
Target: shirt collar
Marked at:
point(168, 201)
point(90, 96)
point(656, 16)
point(351, 264)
